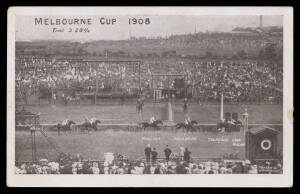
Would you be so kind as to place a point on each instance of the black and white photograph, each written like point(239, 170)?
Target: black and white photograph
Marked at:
point(150, 93)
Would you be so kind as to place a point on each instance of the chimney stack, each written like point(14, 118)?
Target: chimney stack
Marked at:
point(260, 21)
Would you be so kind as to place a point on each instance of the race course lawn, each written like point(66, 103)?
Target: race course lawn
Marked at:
point(132, 144)
point(95, 144)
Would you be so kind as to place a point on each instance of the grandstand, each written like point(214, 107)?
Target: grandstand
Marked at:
point(239, 81)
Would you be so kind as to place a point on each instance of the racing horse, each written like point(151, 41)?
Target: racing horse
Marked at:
point(229, 126)
point(188, 127)
point(155, 125)
point(64, 126)
point(89, 124)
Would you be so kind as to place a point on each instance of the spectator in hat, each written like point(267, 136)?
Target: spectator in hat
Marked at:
point(246, 166)
point(168, 152)
point(182, 149)
point(253, 169)
point(237, 168)
point(187, 155)
point(148, 153)
point(154, 156)
point(180, 168)
point(152, 120)
point(147, 170)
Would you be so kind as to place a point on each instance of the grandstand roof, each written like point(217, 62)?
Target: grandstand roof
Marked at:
point(110, 60)
point(262, 128)
point(26, 113)
point(265, 29)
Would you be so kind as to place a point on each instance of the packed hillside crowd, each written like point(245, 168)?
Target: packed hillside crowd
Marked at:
point(217, 42)
point(78, 166)
point(50, 74)
point(239, 81)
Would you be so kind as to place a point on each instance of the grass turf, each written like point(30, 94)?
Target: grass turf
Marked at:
point(132, 143)
point(205, 113)
point(95, 144)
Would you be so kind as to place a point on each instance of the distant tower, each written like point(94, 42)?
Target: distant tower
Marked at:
point(195, 32)
point(260, 21)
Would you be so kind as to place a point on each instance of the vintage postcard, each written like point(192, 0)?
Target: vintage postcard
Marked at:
point(150, 96)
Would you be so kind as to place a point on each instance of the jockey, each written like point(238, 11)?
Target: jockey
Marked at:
point(231, 121)
point(187, 120)
point(185, 101)
point(152, 119)
point(93, 120)
point(239, 122)
point(65, 122)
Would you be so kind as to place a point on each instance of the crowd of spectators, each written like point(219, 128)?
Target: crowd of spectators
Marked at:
point(218, 43)
point(36, 74)
point(239, 81)
point(120, 165)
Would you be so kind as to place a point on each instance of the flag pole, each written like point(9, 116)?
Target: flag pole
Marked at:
point(222, 110)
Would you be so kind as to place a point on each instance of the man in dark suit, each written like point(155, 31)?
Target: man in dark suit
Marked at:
point(187, 155)
point(185, 105)
point(168, 152)
point(148, 153)
point(154, 156)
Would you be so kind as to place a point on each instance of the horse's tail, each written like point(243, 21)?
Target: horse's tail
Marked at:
point(95, 126)
point(160, 122)
point(53, 127)
point(145, 125)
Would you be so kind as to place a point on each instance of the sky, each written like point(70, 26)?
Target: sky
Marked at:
point(26, 30)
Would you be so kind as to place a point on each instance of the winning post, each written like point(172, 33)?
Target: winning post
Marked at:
point(222, 107)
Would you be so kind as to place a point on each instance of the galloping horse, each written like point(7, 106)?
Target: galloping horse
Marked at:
point(221, 126)
point(64, 126)
point(91, 124)
point(225, 126)
point(154, 125)
point(188, 127)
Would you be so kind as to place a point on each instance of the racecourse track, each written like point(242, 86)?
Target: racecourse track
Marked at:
point(94, 144)
point(203, 113)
